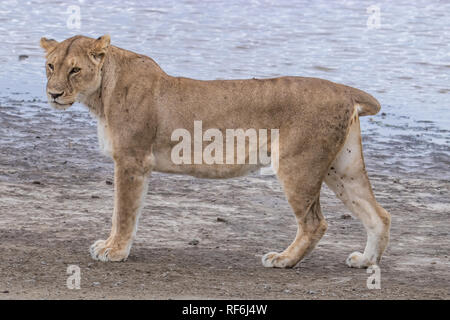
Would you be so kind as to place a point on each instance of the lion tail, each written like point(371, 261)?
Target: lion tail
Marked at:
point(366, 104)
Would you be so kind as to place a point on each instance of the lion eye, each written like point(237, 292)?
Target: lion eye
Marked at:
point(51, 67)
point(75, 70)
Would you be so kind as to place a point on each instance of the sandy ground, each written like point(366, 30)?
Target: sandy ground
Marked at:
point(56, 200)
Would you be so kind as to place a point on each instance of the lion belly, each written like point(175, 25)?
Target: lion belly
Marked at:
point(163, 163)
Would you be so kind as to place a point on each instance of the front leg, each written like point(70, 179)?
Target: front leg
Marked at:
point(130, 187)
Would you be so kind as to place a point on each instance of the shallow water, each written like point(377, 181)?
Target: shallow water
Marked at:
point(405, 63)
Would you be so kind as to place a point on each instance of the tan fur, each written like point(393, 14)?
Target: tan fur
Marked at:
point(138, 106)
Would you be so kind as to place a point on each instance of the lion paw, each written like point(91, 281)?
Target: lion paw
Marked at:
point(103, 251)
point(277, 260)
point(358, 260)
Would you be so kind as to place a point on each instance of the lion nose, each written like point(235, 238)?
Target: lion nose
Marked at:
point(55, 95)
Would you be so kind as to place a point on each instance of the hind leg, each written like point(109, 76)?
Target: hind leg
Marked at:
point(348, 178)
point(302, 192)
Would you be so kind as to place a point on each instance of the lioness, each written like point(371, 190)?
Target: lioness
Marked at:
point(138, 106)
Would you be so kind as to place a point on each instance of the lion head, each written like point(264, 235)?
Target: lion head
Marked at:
point(73, 68)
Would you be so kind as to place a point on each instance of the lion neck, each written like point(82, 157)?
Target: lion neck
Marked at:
point(95, 100)
point(94, 103)
point(115, 58)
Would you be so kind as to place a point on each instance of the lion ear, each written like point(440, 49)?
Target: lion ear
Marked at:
point(100, 48)
point(48, 44)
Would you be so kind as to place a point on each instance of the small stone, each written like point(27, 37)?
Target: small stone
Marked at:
point(194, 242)
point(96, 283)
point(287, 291)
point(346, 216)
point(434, 262)
point(311, 292)
point(23, 57)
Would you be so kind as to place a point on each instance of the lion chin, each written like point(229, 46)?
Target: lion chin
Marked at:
point(60, 106)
